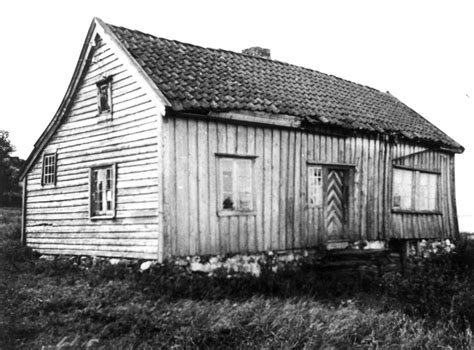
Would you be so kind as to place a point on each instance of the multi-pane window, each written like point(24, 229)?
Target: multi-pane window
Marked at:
point(315, 186)
point(415, 190)
point(104, 96)
point(236, 184)
point(49, 169)
point(103, 191)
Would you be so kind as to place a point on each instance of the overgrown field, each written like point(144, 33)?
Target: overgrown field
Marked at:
point(74, 303)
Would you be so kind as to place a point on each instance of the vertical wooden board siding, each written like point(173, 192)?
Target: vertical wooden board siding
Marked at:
point(251, 220)
point(202, 200)
point(275, 210)
point(303, 218)
point(82, 142)
point(212, 186)
point(283, 186)
point(259, 193)
point(290, 193)
point(356, 224)
point(297, 198)
point(282, 219)
point(170, 188)
point(267, 189)
point(223, 220)
point(182, 186)
point(193, 208)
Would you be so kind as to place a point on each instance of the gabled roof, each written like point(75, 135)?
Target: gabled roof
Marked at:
point(191, 78)
point(195, 78)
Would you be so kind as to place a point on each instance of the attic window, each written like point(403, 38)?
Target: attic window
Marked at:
point(104, 97)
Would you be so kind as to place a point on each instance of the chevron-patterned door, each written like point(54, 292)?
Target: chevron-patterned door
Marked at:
point(335, 211)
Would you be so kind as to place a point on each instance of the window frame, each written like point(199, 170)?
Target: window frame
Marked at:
point(415, 188)
point(104, 114)
point(235, 157)
point(44, 167)
point(107, 214)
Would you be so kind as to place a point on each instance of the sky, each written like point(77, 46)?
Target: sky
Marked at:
point(422, 52)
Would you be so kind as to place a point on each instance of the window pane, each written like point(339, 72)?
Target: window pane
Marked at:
point(402, 189)
point(315, 184)
point(426, 191)
point(244, 183)
point(227, 183)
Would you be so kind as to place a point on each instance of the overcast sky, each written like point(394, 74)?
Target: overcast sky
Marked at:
point(420, 51)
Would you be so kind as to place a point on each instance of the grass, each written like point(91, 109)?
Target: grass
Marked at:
point(73, 303)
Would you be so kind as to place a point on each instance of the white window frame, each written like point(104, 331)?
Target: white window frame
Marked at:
point(107, 193)
point(416, 188)
point(104, 114)
point(49, 169)
point(236, 210)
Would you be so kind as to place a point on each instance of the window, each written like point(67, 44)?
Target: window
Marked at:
point(315, 186)
point(236, 185)
point(103, 191)
point(49, 169)
point(415, 190)
point(104, 97)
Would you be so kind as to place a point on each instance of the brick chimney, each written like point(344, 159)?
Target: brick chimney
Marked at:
point(257, 52)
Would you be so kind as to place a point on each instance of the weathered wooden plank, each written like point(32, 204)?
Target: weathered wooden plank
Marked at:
point(251, 220)
point(283, 183)
point(202, 200)
point(182, 203)
point(267, 191)
point(290, 192)
point(212, 185)
point(223, 220)
point(275, 189)
point(259, 192)
point(303, 217)
point(193, 190)
point(298, 242)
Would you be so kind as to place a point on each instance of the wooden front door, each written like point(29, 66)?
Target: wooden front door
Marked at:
point(328, 203)
point(336, 203)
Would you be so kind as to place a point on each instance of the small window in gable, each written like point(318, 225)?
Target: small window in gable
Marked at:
point(236, 188)
point(104, 97)
point(49, 169)
point(102, 187)
point(415, 190)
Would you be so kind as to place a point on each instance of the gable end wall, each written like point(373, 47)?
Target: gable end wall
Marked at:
point(57, 218)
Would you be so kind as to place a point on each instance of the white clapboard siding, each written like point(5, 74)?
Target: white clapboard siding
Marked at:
point(58, 216)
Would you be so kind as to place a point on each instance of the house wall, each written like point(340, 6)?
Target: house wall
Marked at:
point(416, 225)
point(57, 217)
point(192, 226)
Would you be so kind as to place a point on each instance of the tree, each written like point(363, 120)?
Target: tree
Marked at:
point(6, 146)
point(9, 187)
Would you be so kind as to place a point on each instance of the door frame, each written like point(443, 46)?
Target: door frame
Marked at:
point(350, 170)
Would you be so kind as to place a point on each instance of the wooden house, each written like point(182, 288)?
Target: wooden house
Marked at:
point(161, 148)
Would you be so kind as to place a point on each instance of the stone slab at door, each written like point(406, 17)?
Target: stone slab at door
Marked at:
point(328, 203)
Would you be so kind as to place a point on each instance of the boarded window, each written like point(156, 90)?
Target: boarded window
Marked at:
point(49, 169)
point(236, 184)
point(103, 191)
point(315, 186)
point(414, 190)
point(104, 96)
